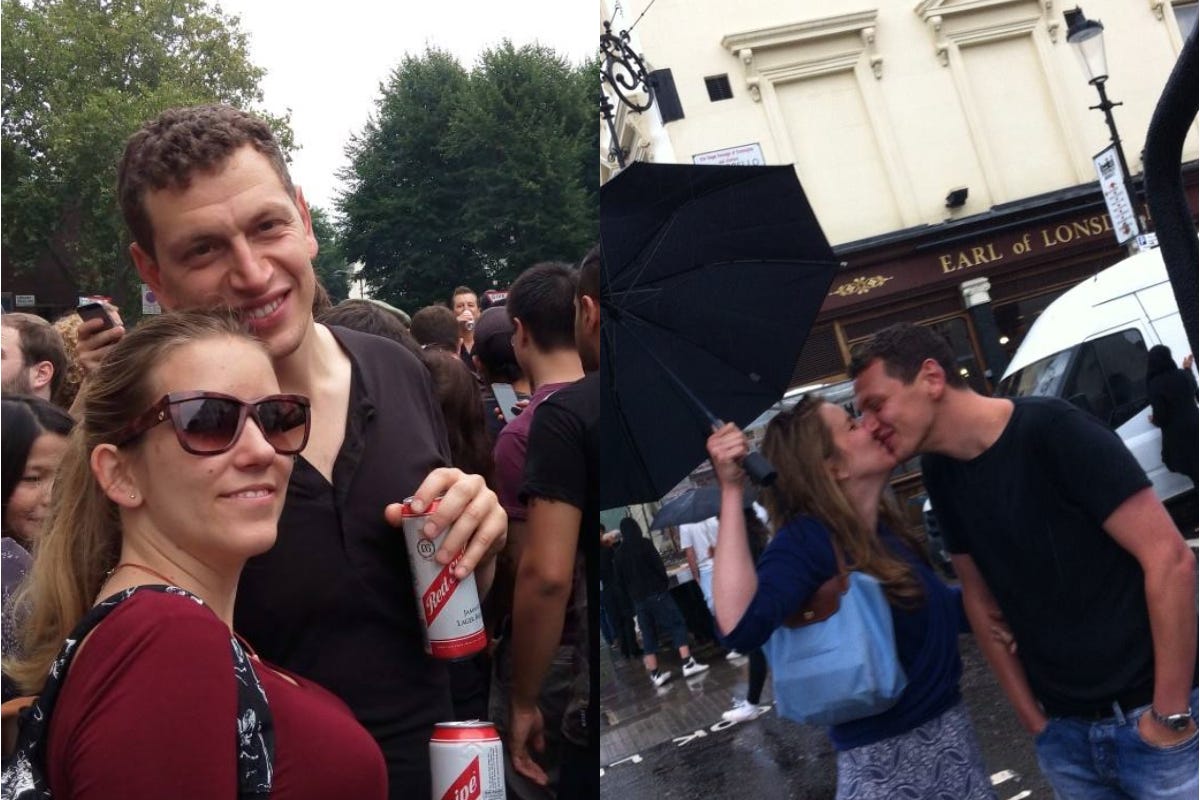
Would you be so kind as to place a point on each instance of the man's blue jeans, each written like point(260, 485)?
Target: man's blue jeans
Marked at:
point(1108, 760)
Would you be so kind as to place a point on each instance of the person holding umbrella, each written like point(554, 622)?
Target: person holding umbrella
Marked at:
point(829, 494)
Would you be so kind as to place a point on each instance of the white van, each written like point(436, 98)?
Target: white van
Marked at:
point(1089, 347)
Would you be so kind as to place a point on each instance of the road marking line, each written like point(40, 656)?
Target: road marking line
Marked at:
point(1002, 776)
point(1022, 795)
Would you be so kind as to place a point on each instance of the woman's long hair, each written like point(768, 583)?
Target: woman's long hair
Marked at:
point(82, 536)
point(462, 407)
point(799, 444)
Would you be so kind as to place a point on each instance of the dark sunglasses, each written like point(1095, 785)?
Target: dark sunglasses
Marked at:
point(209, 423)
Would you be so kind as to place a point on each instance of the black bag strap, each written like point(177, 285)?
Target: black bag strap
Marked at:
point(25, 775)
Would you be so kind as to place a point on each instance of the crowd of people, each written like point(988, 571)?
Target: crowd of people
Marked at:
point(233, 602)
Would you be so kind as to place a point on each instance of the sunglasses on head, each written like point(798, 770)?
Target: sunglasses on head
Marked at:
point(210, 423)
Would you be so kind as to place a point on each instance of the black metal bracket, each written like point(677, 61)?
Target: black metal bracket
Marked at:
point(624, 73)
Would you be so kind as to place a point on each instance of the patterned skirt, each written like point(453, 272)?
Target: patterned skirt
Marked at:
point(939, 760)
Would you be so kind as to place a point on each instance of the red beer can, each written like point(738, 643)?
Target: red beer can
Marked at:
point(448, 607)
point(467, 761)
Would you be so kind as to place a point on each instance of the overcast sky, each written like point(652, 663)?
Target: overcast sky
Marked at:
point(326, 64)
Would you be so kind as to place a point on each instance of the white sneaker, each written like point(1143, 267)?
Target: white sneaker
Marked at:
point(733, 655)
point(658, 679)
point(742, 711)
point(693, 667)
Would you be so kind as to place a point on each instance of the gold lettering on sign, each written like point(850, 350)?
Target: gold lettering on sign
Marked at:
point(972, 257)
point(1083, 229)
point(861, 285)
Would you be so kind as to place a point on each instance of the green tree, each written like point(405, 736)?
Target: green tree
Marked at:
point(79, 76)
point(330, 263)
point(469, 178)
point(401, 209)
point(526, 124)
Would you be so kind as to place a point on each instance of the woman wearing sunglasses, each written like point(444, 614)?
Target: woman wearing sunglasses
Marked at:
point(829, 494)
point(175, 475)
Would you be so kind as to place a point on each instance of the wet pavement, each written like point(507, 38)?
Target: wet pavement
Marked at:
point(671, 742)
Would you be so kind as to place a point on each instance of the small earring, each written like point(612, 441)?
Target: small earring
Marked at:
point(132, 496)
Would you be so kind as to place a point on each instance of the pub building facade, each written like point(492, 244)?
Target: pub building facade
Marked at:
point(947, 147)
point(980, 281)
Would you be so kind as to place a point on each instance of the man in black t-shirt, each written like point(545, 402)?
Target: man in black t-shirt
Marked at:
point(559, 560)
point(1053, 527)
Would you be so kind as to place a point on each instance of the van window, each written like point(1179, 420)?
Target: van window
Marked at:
point(1111, 373)
point(1105, 377)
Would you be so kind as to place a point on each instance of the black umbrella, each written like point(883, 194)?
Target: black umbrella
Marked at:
point(693, 505)
point(712, 277)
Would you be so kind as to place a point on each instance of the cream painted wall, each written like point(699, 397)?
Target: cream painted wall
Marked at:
point(885, 107)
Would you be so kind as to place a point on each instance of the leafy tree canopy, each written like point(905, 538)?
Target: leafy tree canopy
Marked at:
point(471, 177)
point(80, 76)
point(330, 263)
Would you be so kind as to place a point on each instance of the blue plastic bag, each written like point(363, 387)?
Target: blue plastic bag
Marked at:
point(843, 668)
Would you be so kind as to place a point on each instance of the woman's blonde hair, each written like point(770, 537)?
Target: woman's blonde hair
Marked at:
point(799, 444)
point(81, 539)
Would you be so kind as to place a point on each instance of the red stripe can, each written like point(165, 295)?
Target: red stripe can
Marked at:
point(448, 607)
point(467, 761)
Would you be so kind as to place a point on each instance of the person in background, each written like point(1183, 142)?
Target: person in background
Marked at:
point(828, 506)
point(1173, 392)
point(559, 561)
point(1053, 528)
point(434, 327)
point(34, 439)
point(541, 316)
point(640, 568)
point(495, 362)
point(746, 708)
point(215, 220)
point(68, 328)
point(176, 475)
point(32, 358)
point(464, 303)
point(372, 316)
point(616, 599)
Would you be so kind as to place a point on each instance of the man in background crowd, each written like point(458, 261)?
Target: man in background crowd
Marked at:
point(32, 358)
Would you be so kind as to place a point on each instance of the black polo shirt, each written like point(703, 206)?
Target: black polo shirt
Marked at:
point(333, 599)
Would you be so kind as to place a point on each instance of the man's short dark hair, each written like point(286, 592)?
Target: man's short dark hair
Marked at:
point(589, 275)
point(169, 150)
point(40, 341)
point(462, 290)
point(369, 316)
point(435, 326)
point(543, 298)
point(903, 348)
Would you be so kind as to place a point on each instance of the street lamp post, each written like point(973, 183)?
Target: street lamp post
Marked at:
point(1087, 37)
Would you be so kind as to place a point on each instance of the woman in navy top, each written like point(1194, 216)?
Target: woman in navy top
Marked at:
point(830, 493)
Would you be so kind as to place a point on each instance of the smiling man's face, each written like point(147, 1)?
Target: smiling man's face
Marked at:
point(235, 238)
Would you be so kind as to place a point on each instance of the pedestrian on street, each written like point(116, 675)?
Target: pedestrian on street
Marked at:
point(1054, 527)
point(746, 708)
point(1172, 392)
point(829, 494)
point(640, 567)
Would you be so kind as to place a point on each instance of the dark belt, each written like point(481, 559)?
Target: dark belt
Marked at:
point(1101, 710)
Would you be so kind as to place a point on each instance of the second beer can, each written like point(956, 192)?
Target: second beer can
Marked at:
point(467, 761)
point(448, 607)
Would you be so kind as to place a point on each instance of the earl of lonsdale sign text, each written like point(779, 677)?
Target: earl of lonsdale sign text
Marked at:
point(1041, 240)
point(989, 253)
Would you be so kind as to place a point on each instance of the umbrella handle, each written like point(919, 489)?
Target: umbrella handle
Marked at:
point(759, 469)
